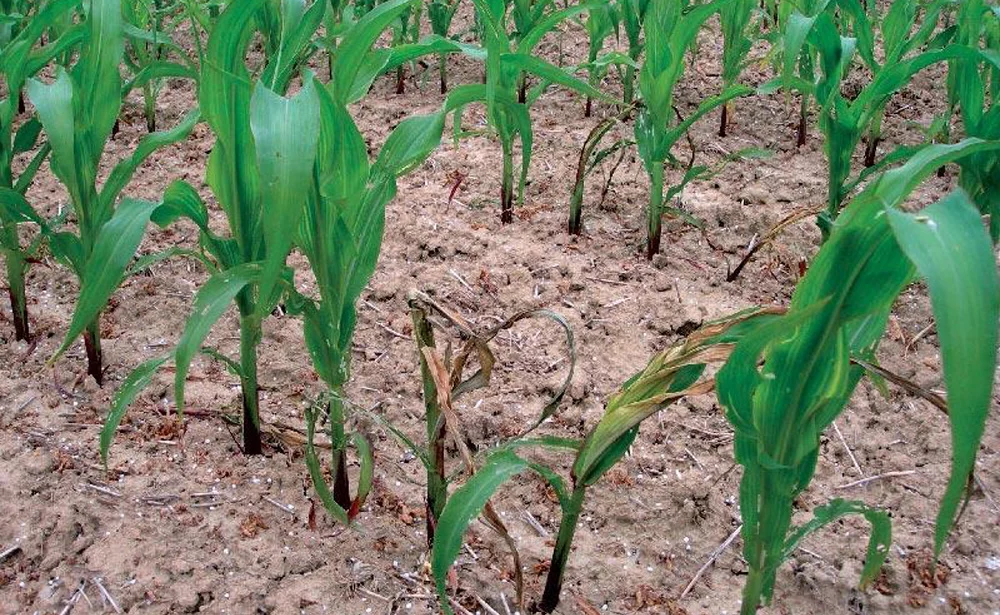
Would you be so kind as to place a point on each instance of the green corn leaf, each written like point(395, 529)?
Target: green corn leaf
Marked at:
point(895, 185)
point(31, 170)
point(232, 366)
point(954, 254)
point(210, 303)
point(124, 170)
point(224, 98)
point(342, 160)
point(114, 249)
point(409, 144)
point(549, 72)
point(298, 26)
point(316, 472)
point(181, 200)
point(465, 505)
point(54, 104)
point(156, 71)
point(133, 384)
point(98, 92)
point(15, 208)
point(68, 250)
point(145, 262)
point(878, 542)
point(354, 47)
point(27, 136)
point(529, 40)
point(367, 462)
point(286, 132)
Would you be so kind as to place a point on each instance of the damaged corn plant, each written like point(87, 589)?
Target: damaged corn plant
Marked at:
point(671, 375)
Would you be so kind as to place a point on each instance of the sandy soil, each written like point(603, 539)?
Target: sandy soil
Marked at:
point(147, 533)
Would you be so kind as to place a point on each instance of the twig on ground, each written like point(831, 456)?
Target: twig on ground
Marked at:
point(486, 606)
point(535, 525)
point(6, 554)
point(711, 559)
point(869, 479)
point(285, 507)
point(393, 332)
point(503, 601)
point(847, 448)
point(73, 599)
point(103, 490)
point(105, 596)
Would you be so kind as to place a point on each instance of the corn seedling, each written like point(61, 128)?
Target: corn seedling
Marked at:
point(843, 121)
point(669, 32)
point(839, 312)
point(341, 235)
point(264, 152)
point(440, 13)
point(507, 62)
point(149, 28)
point(632, 13)
point(20, 59)
point(406, 29)
point(78, 111)
point(735, 19)
point(974, 88)
point(591, 156)
point(602, 22)
point(670, 376)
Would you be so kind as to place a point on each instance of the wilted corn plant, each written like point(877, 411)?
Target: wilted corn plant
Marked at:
point(787, 381)
point(508, 60)
point(671, 375)
point(844, 120)
point(20, 59)
point(439, 416)
point(669, 31)
point(77, 111)
point(264, 152)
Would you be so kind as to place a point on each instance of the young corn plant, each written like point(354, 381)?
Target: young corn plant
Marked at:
point(843, 120)
point(264, 152)
point(20, 59)
point(632, 13)
point(735, 19)
point(78, 111)
point(441, 13)
point(149, 27)
point(787, 381)
point(508, 61)
point(974, 88)
point(268, 148)
point(406, 29)
point(669, 32)
point(341, 236)
point(671, 375)
point(602, 22)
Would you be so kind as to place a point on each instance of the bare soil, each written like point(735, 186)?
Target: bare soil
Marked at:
point(147, 533)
